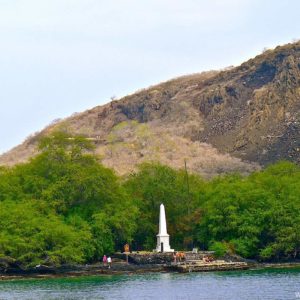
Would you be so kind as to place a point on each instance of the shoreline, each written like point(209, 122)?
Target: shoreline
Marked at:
point(125, 269)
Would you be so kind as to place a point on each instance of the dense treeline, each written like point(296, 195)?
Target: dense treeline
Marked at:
point(64, 206)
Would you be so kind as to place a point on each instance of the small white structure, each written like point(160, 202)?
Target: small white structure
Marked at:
point(163, 244)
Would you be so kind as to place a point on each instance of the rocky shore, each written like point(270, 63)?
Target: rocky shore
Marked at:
point(137, 263)
point(80, 270)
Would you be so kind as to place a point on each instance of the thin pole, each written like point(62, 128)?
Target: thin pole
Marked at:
point(189, 195)
point(188, 185)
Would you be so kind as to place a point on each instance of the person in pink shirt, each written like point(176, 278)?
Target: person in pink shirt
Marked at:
point(104, 260)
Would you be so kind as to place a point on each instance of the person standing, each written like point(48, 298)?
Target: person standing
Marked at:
point(109, 262)
point(104, 260)
point(174, 257)
point(178, 256)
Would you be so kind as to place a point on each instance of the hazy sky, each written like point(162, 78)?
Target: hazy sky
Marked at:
point(63, 56)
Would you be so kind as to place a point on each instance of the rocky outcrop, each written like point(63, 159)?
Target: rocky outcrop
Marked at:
point(8, 264)
point(147, 258)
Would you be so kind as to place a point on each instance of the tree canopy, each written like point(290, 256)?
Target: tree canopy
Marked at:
point(64, 206)
point(83, 201)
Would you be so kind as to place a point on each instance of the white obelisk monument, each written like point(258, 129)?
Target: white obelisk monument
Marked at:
point(163, 244)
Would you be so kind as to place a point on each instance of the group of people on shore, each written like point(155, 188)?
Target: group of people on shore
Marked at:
point(207, 259)
point(107, 261)
point(178, 257)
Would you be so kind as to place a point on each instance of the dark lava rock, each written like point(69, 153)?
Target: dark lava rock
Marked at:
point(147, 258)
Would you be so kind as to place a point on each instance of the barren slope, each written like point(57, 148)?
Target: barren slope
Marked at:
point(218, 121)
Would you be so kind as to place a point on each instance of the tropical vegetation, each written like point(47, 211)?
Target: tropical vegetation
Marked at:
point(64, 207)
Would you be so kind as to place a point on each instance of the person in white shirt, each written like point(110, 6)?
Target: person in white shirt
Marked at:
point(109, 262)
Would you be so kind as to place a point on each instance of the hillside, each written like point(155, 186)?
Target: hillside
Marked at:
point(232, 120)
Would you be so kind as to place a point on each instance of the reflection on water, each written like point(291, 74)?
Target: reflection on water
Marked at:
point(258, 284)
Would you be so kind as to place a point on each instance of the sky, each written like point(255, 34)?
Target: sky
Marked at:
point(58, 57)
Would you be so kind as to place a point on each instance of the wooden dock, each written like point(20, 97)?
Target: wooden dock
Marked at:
point(199, 266)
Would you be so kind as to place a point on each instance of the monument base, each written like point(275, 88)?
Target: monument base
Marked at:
point(163, 244)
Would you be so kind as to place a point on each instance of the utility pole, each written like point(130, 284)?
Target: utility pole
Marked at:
point(187, 185)
point(188, 196)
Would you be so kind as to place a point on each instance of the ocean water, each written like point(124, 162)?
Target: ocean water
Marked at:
point(256, 284)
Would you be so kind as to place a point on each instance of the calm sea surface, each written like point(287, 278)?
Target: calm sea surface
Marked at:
point(258, 284)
